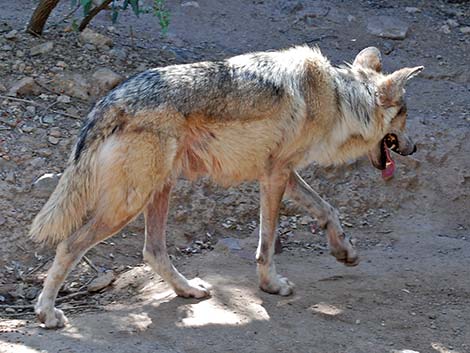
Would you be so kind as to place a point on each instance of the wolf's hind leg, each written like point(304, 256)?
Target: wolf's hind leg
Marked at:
point(271, 191)
point(68, 254)
point(155, 252)
point(340, 246)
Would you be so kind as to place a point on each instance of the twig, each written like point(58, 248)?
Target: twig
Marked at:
point(39, 105)
point(31, 313)
point(38, 267)
point(89, 263)
point(70, 296)
point(21, 100)
point(58, 300)
point(30, 306)
point(45, 110)
point(66, 17)
point(93, 12)
point(321, 38)
point(66, 114)
point(87, 283)
point(84, 306)
point(131, 32)
point(46, 88)
point(15, 315)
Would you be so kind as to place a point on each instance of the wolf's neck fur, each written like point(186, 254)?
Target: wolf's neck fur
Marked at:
point(355, 127)
point(356, 100)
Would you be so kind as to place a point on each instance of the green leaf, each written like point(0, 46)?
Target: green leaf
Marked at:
point(75, 25)
point(162, 15)
point(86, 6)
point(135, 6)
point(115, 12)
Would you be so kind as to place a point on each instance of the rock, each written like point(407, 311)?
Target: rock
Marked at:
point(27, 128)
point(56, 132)
point(452, 23)
point(53, 140)
point(71, 84)
point(105, 79)
point(291, 6)
point(412, 10)
point(228, 244)
point(62, 64)
point(25, 86)
point(2, 88)
point(444, 29)
point(12, 34)
point(63, 99)
point(387, 27)
point(48, 119)
point(37, 162)
point(120, 54)
point(306, 220)
point(388, 47)
point(465, 30)
point(2, 220)
point(5, 27)
point(100, 282)
point(42, 48)
point(194, 4)
point(87, 36)
point(31, 293)
point(45, 184)
point(10, 310)
point(10, 178)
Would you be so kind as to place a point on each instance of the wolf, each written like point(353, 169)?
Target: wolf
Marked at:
point(255, 117)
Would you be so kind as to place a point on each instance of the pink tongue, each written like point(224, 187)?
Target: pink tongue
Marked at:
point(387, 173)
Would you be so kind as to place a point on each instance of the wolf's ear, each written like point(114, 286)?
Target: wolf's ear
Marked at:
point(369, 58)
point(391, 89)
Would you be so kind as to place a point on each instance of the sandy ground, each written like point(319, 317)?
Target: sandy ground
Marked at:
point(412, 288)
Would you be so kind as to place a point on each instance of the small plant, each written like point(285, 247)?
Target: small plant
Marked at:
point(91, 9)
point(162, 14)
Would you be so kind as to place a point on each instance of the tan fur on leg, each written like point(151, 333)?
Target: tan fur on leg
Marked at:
point(155, 253)
point(272, 188)
point(340, 245)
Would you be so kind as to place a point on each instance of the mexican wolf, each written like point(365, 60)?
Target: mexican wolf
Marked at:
point(260, 116)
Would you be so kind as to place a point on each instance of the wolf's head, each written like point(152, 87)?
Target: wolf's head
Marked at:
point(391, 111)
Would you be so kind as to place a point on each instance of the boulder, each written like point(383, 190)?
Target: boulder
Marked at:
point(87, 36)
point(105, 79)
point(42, 48)
point(71, 84)
point(23, 87)
point(45, 184)
point(387, 27)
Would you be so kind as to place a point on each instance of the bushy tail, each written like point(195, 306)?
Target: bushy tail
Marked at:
point(68, 205)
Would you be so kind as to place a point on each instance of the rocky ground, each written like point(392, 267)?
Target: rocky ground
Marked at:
point(411, 291)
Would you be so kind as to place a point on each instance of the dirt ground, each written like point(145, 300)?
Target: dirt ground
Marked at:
point(411, 292)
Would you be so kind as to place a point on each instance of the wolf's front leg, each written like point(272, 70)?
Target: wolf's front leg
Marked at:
point(340, 245)
point(271, 190)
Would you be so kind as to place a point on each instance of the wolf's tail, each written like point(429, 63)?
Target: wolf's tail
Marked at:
point(68, 205)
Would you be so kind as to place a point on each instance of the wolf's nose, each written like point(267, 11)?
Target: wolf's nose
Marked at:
point(414, 149)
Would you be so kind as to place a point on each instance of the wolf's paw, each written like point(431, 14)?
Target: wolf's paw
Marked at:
point(346, 253)
point(54, 318)
point(195, 288)
point(279, 285)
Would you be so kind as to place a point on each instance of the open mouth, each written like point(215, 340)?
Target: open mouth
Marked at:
point(389, 142)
